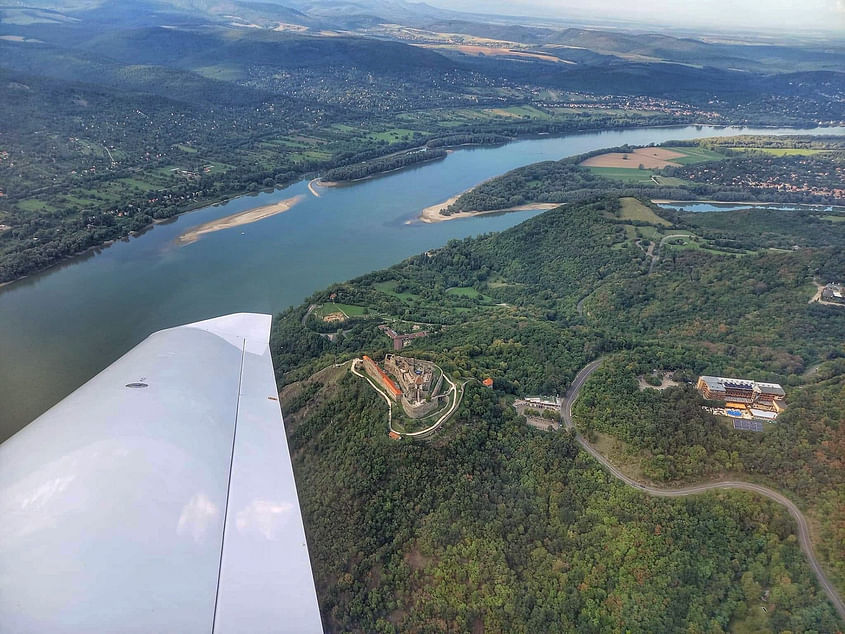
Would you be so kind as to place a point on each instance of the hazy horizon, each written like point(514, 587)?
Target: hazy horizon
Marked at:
point(777, 15)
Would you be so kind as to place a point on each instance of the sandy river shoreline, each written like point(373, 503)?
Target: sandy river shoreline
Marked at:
point(432, 214)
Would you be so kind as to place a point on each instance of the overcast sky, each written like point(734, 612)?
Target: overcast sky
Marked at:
point(828, 15)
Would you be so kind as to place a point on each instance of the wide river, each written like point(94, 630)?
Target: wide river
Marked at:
point(60, 328)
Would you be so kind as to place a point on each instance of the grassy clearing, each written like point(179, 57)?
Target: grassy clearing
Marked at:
point(468, 291)
point(351, 310)
point(682, 244)
point(633, 209)
point(392, 135)
point(33, 204)
point(90, 148)
point(781, 151)
point(501, 282)
point(389, 288)
point(520, 112)
point(621, 454)
point(697, 244)
point(342, 127)
point(839, 218)
point(695, 155)
point(650, 233)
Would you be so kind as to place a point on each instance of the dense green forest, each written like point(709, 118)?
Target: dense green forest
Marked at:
point(498, 527)
point(495, 524)
point(800, 170)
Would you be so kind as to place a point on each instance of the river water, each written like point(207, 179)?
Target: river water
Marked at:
point(59, 328)
point(697, 207)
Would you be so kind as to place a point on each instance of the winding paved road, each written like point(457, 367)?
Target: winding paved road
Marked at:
point(659, 251)
point(803, 528)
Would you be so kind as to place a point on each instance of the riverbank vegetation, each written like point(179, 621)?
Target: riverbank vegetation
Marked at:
point(497, 524)
point(382, 165)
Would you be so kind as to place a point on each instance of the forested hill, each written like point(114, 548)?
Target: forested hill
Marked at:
point(497, 526)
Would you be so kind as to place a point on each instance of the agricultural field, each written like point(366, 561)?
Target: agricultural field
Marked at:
point(653, 158)
point(647, 157)
point(626, 175)
point(643, 165)
point(477, 50)
point(521, 112)
point(393, 135)
point(694, 155)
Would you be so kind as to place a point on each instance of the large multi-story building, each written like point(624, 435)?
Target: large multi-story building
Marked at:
point(420, 392)
point(741, 391)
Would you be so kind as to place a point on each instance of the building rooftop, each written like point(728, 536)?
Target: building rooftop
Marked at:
point(769, 388)
point(718, 383)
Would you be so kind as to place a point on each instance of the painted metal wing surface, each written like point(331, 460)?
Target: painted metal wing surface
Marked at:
point(159, 497)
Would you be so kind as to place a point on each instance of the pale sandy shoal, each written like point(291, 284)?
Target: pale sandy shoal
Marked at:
point(237, 220)
point(432, 214)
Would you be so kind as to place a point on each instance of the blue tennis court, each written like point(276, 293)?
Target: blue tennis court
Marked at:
point(748, 425)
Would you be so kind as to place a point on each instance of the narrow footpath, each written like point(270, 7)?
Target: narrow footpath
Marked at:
point(803, 528)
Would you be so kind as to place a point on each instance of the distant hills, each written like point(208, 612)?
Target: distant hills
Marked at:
point(432, 26)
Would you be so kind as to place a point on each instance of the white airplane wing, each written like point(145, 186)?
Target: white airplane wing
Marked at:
point(159, 497)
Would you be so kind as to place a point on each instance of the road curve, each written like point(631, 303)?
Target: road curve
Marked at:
point(658, 252)
point(376, 388)
point(801, 521)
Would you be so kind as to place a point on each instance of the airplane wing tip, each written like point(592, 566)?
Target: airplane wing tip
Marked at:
point(253, 327)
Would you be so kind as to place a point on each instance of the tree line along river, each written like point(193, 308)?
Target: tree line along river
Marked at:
point(59, 328)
